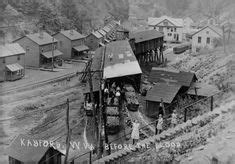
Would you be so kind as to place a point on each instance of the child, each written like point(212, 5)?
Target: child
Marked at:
point(135, 135)
point(159, 124)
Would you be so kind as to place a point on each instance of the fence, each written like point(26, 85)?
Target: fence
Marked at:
point(187, 112)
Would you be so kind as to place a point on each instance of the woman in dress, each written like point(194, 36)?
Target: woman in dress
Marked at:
point(135, 135)
point(159, 124)
point(173, 119)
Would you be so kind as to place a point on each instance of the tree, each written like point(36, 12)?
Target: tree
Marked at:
point(68, 9)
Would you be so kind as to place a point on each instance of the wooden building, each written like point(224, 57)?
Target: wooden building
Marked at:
point(162, 75)
point(12, 59)
point(166, 92)
point(94, 40)
point(23, 150)
point(40, 48)
point(147, 45)
point(71, 43)
point(208, 37)
point(171, 27)
point(120, 64)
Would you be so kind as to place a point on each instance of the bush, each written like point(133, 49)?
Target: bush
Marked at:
point(113, 121)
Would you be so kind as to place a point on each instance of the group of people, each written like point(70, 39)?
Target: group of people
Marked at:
point(160, 121)
point(159, 126)
point(113, 94)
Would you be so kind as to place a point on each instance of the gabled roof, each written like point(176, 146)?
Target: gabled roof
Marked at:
point(213, 28)
point(171, 77)
point(11, 49)
point(163, 91)
point(97, 34)
point(40, 39)
point(20, 149)
point(72, 34)
point(102, 32)
point(145, 35)
point(120, 60)
point(153, 21)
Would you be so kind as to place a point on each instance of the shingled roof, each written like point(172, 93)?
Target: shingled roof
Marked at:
point(168, 76)
point(145, 35)
point(163, 91)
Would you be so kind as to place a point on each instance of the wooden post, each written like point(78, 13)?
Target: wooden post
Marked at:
point(68, 134)
point(52, 59)
point(185, 114)
point(212, 102)
point(90, 157)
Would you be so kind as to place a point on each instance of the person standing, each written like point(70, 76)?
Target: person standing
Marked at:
point(135, 135)
point(173, 119)
point(159, 124)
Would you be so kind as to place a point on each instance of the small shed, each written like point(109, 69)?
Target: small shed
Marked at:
point(162, 75)
point(160, 91)
point(24, 150)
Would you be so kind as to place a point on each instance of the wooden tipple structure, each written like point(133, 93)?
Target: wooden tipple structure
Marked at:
point(147, 45)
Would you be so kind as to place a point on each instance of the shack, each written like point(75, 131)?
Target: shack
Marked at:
point(166, 92)
point(23, 151)
point(162, 75)
point(12, 59)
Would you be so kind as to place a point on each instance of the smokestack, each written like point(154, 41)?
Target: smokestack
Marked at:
point(71, 32)
point(41, 34)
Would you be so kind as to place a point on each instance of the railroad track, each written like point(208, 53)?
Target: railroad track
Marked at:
point(37, 84)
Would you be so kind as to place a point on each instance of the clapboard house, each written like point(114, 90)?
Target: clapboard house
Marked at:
point(23, 150)
point(144, 42)
point(40, 49)
point(71, 43)
point(12, 58)
point(94, 40)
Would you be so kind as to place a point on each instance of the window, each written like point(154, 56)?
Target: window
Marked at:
point(18, 57)
point(3, 60)
point(199, 39)
point(165, 23)
point(160, 28)
point(208, 40)
point(42, 50)
point(175, 29)
point(61, 43)
point(207, 32)
point(171, 29)
point(169, 34)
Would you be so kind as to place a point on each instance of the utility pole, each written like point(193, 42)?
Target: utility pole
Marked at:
point(68, 134)
point(52, 59)
point(100, 113)
point(92, 95)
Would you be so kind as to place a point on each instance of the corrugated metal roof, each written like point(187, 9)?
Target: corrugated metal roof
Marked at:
point(11, 49)
point(72, 34)
point(107, 29)
point(163, 91)
point(97, 34)
point(14, 67)
point(41, 39)
point(102, 32)
point(152, 21)
point(181, 78)
point(116, 66)
point(27, 154)
point(145, 35)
